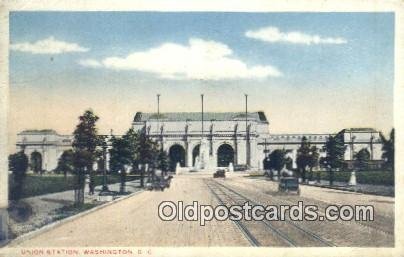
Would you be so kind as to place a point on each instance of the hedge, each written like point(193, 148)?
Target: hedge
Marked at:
point(46, 184)
point(363, 177)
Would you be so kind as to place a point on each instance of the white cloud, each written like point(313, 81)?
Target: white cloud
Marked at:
point(273, 34)
point(200, 59)
point(48, 46)
point(90, 63)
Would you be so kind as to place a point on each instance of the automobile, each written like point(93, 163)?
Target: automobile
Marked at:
point(159, 183)
point(289, 184)
point(219, 174)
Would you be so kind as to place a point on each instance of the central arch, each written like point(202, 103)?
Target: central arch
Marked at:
point(36, 162)
point(225, 155)
point(177, 155)
point(195, 153)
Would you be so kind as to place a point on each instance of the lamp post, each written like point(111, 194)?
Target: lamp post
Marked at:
point(140, 168)
point(247, 136)
point(104, 168)
point(202, 116)
point(158, 113)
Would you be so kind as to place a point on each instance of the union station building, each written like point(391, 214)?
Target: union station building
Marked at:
point(229, 138)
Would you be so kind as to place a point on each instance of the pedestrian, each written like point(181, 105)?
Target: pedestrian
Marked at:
point(91, 184)
point(87, 182)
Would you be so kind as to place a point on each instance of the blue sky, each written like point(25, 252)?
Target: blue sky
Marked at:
point(334, 67)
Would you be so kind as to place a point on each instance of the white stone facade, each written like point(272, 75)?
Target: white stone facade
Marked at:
point(181, 133)
point(185, 130)
point(48, 143)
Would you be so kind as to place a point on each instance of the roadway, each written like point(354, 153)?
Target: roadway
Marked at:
point(135, 222)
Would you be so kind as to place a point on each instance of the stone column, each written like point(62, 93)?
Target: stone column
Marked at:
point(211, 140)
point(371, 147)
point(186, 143)
point(188, 155)
point(248, 146)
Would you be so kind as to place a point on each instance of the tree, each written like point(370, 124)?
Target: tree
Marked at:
point(65, 162)
point(388, 150)
point(303, 157)
point(307, 157)
point(314, 160)
point(84, 144)
point(362, 159)
point(18, 164)
point(120, 156)
point(163, 161)
point(146, 153)
point(335, 150)
point(278, 159)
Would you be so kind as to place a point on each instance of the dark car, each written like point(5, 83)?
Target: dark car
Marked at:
point(289, 184)
point(159, 183)
point(219, 174)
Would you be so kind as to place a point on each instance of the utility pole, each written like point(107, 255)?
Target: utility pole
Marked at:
point(158, 113)
point(247, 136)
point(202, 116)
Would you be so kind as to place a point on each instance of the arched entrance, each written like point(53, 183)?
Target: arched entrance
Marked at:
point(225, 155)
point(177, 155)
point(195, 153)
point(36, 162)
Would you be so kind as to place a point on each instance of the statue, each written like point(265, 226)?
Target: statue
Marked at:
point(352, 179)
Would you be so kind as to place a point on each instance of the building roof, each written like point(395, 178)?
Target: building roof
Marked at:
point(359, 130)
point(38, 131)
point(197, 116)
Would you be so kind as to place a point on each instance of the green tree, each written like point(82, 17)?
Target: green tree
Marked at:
point(362, 159)
point(388, 150)
point(303, 157)
point(132, 138)
point(146, 153)
point(278, 159)
point(120, 156)
point(335, 150)
point(18, 164)
point(85, 144)
point(307, 157)
point(163, 162)
point(314, 160)
point(65, 162)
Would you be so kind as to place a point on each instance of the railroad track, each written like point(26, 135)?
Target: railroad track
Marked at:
point(264, 232)
point(376, 224)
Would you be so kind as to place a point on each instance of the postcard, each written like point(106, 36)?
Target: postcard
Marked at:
point(201, 129)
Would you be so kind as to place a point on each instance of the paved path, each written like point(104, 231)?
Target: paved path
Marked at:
point(134, 222)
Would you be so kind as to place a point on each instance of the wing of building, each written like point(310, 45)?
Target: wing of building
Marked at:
point(230, 137)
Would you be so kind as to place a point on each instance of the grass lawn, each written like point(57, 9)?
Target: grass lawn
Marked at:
point(45, 184)
point(70, 210)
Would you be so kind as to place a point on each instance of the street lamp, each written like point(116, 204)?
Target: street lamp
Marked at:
point(104, 168)
point(158, 113)
point(247, 136)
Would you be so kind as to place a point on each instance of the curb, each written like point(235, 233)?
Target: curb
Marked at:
point(58, 223)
